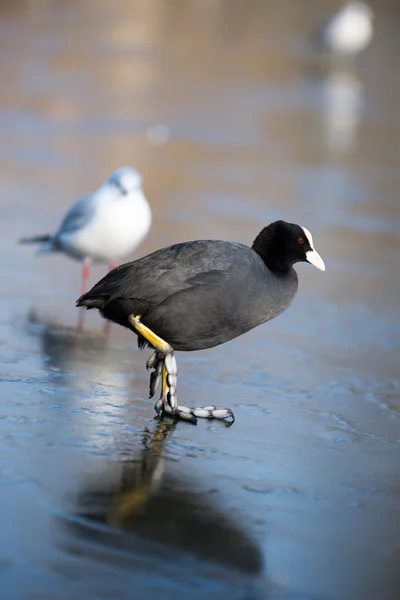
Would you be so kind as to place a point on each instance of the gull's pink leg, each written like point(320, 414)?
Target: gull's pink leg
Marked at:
point(85, 288)
point(85, 275)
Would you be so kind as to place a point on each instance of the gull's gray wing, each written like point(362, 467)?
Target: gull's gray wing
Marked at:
point(80, 215)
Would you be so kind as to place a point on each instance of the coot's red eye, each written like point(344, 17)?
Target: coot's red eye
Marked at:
point(300, 240)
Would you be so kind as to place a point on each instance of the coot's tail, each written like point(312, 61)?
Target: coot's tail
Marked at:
point(89, 301)
point(114, 311)
point(37, 239)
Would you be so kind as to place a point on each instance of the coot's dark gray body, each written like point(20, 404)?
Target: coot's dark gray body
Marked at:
point(201, 294)
point(197, 294)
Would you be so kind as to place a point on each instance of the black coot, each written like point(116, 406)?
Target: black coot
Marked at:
point(201, 294)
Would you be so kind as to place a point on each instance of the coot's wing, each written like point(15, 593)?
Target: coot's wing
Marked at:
point(168, 271)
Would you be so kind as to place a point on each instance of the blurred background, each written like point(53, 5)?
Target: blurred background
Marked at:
point(233, 121)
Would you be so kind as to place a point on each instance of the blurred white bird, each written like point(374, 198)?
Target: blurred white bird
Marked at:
point(104, 226)
point(347, 32)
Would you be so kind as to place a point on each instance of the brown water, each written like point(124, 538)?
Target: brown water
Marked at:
point(299, 499)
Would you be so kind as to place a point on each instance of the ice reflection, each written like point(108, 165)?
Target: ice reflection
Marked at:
point(158, 511)
point(342, 103)
point(84, 355)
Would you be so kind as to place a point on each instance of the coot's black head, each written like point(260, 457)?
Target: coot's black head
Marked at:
point(282, 244)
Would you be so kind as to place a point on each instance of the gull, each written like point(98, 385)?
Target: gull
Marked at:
point(104, 226)
point(347, 32)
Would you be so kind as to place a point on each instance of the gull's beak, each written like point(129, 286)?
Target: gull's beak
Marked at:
point(314, 258)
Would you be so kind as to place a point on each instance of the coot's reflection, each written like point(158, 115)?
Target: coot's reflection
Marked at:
point(147, 502)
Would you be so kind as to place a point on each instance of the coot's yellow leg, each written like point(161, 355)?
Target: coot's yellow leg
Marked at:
point(164, 364)
point(158, 343)
point(168, 402)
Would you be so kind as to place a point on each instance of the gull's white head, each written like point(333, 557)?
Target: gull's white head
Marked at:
point(126, 179)
point(349, 31)
point(359, 8)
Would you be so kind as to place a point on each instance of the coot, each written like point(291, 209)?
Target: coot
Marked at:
point(200, 294)
point(104, 226)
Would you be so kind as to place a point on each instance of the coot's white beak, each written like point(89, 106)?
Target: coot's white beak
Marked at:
point(314, 259)
point(312, 255)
